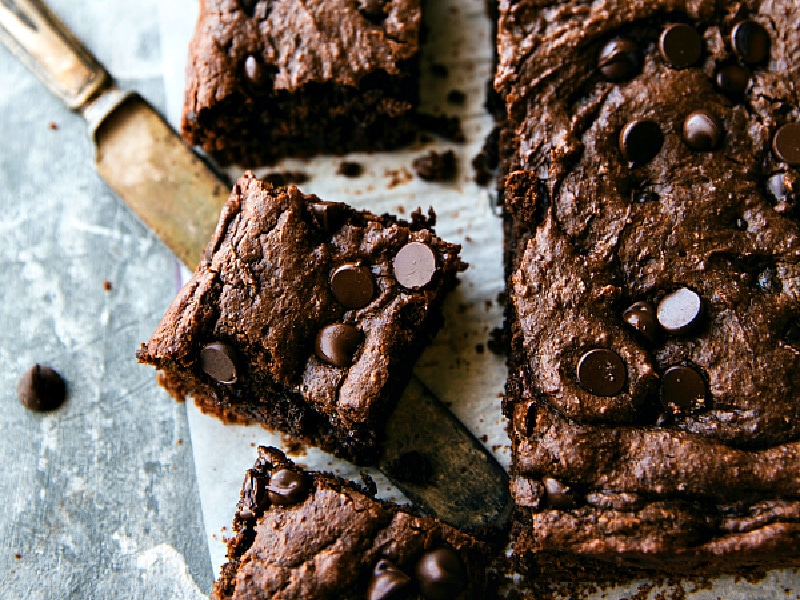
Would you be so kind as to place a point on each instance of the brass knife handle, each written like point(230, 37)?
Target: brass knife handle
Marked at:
point(45, 45)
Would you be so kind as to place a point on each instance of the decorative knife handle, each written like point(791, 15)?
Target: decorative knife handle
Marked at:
point(44, 44)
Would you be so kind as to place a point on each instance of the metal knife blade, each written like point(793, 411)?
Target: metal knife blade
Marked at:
point(179, 195)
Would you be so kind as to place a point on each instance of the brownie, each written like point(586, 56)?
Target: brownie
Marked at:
point(301, 534)
point(305, 315)
point(653, 252)
point(273, 78)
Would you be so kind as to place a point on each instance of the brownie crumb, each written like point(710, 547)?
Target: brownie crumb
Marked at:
point(443, 126)
point(349, 168)
point(52, 126)
point(456, 97)
point(487, 161)
point(107, 285)
point(497, 342)
point(436, 166)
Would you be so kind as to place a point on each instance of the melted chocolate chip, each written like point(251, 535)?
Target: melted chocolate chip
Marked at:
point(602, 372)
point(388, 582)
point(733, 79)
point(441, 574)
point(337, 343)
point(619, 59)
point(640, 140)
point(219, 361)
point(702, 130)
point(642, 317)
point(683, 390)
point(353, 285)
point(679, 311)
point(414, 265)
point(41, 388)
point(680, 45)
point(786, 143)
point(287, 487)
point(750, 41)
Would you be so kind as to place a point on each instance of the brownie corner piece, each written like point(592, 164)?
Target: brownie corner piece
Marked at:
point(305, 316)
point(268, 79)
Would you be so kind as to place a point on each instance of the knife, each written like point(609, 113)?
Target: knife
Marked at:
point(428, 453)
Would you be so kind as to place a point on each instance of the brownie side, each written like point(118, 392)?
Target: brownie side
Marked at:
point(653, 257)
point(302, 316)
point(320, 536)
point(288, 78)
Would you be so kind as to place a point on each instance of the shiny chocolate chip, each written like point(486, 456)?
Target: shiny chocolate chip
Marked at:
point(640, 140)
point(680, 45)
point(219, 361)
point(786, 143)
point(733, 79)
point(602, 372)
point(328, 216)
point(287, 487)
point(702, 130)
point(353, 285)
point(441, 574)
point(414, 265)
point(254, 495)
point(388, 582)
point(41, 389)
point(750, 42)
point(679, 311)
point(642, 317)
point(337, 343)
point(683, 390)
point(619, 59)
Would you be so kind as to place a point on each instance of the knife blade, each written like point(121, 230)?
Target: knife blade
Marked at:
point(179, 194)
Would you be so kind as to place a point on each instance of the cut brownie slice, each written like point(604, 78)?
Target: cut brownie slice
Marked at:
point(306, 534)
point(305, 315)
point(274, 78)
point(654, 257)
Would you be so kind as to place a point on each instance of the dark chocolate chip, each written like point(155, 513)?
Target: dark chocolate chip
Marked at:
point(254, 495)
point(786, 143)
point(388, 582)
point(640, 140)
point(372, 10)
point(328, 216)
point(287, 487)
point(337, 343)
point(248, 6)
point(353, 285)
point(558, 494)
point(642, 317)
point(680, 45)
point(41, 388)
point(619, 59)
point(702, 130)
point(679, 311)
point(441, 574)
point(602, 372)
point(683, 390)
point(733, 79)
point(750, 41)
point(219, 361)
point(414, 265)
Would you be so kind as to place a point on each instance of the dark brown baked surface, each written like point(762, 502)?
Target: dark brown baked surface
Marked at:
point(306, 316)
point(301, 534)
point(653, 249)
point(268, 79)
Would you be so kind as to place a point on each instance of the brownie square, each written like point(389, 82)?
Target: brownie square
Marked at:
point(269, 79)
point(306, 316)
point(653, 251)
point(302, 534)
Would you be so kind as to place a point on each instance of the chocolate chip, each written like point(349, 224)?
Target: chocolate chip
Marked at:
point(750, 41)
point(619, 59)
point(219, 361)
point(679, 311)
point(287, 487)
point(353, 285)
point(372, 10)
point(254, 495)
point(640, 140)
point(642, 317)
point(337, 343)
point(328, 216)
point(387, 581)
point(786, 143)
point(680, 45)
point(248, 6)
point(683, 390)
point(414, 265)
point(733, 79)
point(558, 494)
point(441, 574)
point(602, 372)
point(41, 388)
point(702, 130)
